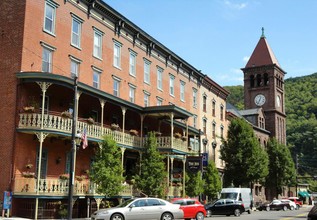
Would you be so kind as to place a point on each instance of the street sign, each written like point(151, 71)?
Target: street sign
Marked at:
point(194, 163)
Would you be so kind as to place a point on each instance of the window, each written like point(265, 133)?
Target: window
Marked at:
point(221, 131)
point(213, 130)
point(195, 121)
point(204, 103)
point(96, 78)
point(213, 108)
point(97, 43)
point(159, 101)
point(74, 66)
point(117, 54)
point(205, 126)
point(147, 65)
point(195, 98)
point(116, 86)
point(132, 69)
point(172, 79)
point(182, 91)
point(50, 17)
point(146, 98)
point(76, 31)
point(159, 73)
point(132, 93)
point(221, 112)
point(47, 57)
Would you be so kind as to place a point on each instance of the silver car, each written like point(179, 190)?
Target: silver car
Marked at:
point(141, 208)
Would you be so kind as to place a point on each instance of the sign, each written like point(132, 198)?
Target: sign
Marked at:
point(194, 163)
point(205, 159)
point(7, 200)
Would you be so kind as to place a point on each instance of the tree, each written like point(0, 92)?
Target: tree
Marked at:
point(246, 161)
point(212, 181)
point(194, 184)
point(151, 179)
point(281, 167)
point(106, 170)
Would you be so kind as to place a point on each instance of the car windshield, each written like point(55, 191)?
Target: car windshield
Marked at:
point(229, 196)
point(125, 203)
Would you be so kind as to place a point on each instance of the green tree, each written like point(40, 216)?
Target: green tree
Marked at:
point(212, 181)
point(151, 179)
point(106, 170)
point(246, 161)
point(194, 184)
point(281, 167)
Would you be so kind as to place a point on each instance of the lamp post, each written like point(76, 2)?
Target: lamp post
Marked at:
point(73, 154)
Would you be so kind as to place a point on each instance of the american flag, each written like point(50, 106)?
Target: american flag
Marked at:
point(84, 139)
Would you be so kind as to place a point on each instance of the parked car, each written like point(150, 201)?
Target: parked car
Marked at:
point(297, 201)
point(274, 205)
point(312, 215)
point(141, 208)
point(243, 195)
point(291, 203)
point(192, 208)
point(225, 207)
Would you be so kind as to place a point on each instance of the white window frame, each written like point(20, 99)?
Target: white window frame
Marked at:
point(47, 57)
point(116, 86)
point(97, 51)
point(195, 121)
point(194, 98)
point(147, 71)
point(132, 63)
point(74, 66)
point(117, 54)
point(50, 5)
point(76, 34)
point(96, 77)
point(146, 98)
point(159, 101)
point(182, 91)
point(171, 85)
point(159, 74)
point(132, 89)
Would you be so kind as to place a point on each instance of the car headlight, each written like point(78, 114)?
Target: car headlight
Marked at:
point(102, 213)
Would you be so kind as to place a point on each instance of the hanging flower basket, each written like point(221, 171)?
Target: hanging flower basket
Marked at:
point(114, 126)
point(28, 174)
point(90, 120)
point(66, 114)
point(28, 108)
point(134, 132)
point(64, 176)
point(28, 166)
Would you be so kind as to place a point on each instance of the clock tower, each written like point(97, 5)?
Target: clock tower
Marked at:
point(264, 88)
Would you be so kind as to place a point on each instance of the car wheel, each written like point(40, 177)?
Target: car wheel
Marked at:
point(268, 208)
point(249, 211)
point(209, 213)
point(116, 217)
point(200, 216)
point(297, 206)
point(167, 216)
point(237, 212)
point(284, 208)
point(292, 208)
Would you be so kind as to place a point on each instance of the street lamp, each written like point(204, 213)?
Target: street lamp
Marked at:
point(75, 142)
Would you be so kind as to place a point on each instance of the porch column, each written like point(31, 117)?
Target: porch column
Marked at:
point(41, 136)
point(140, 161)
point(186, 131)
point(172, 129)
point(141, 133)
point(171, 173)
point(122, 156)
point(184, 173)
point(102, 104)
point(168, 175)
point(123, 122)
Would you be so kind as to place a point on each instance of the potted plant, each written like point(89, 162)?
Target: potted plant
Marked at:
point(184, 138)
point(28, 174)
point(114, 126)
point(64, 176)
point(28, 166)
point(66, 114)
point(134, 132)
point(90, 120)
point(80, 178)
point(177, 135)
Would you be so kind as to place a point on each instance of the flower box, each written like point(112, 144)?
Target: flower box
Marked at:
point(28, 174)
point(66, 114)
point(28, 108)
point(64, 176)
point(134, 132)
point(114, 126)
point(80, 178)
point(90, 121)
point(177, 135)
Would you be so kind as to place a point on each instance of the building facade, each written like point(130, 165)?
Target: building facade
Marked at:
point(128, 84)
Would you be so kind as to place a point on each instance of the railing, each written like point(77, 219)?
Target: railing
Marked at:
point(58, 187)
point(58, 123)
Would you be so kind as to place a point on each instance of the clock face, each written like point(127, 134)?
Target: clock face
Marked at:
point(259, 100)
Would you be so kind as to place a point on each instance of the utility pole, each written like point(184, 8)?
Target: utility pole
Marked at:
point(296, 163)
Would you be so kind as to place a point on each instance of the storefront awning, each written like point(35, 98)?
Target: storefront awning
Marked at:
point(303, 194)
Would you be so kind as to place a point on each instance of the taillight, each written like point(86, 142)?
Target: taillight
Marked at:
point(242, 205)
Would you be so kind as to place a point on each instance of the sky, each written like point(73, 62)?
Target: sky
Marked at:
point(218, 36)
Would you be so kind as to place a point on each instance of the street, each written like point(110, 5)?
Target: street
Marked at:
point(271, 215)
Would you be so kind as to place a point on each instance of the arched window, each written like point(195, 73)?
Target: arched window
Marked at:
point(258, 80)
point(266, 79)
point(252, 81)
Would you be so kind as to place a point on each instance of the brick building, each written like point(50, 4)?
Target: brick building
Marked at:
point(127, 81)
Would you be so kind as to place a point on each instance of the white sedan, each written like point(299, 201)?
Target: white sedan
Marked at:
point(290, 202)
point(141, 208)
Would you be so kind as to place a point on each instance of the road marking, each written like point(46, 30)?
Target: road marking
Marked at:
point(290, 218)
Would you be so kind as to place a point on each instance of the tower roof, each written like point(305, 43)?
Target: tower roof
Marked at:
point(262, 54)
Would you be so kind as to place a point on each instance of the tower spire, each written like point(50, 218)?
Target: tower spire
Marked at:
point(262, 36)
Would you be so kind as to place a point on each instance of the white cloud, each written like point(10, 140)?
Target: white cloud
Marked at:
point(235, 6)
point(246, 59)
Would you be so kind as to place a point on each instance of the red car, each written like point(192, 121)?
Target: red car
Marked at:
point(192, 208)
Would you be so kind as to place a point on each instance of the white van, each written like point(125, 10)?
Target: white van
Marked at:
point(243, 195)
